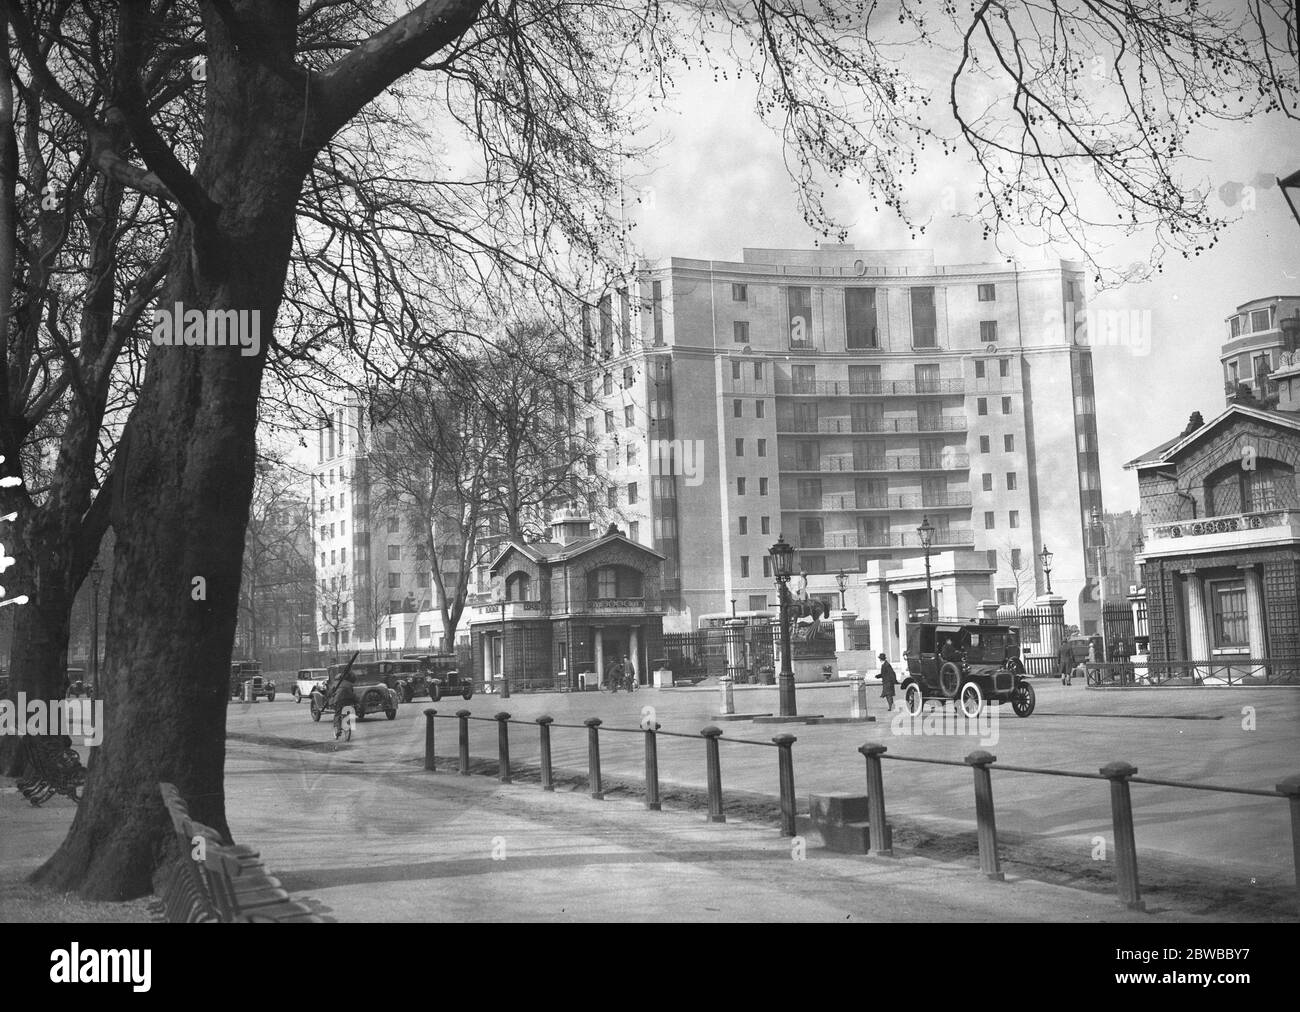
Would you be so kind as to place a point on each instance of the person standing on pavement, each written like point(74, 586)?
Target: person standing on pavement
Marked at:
point(1065, 656)
point(887, 682)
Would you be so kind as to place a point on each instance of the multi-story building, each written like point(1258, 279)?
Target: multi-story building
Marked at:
point(839, 397)
point(1260, 332)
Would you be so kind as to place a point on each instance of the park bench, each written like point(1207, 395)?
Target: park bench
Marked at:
point(53, 767)
point(214, 882)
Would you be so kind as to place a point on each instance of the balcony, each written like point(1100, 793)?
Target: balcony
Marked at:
point(955, 537)
point(847, 463)
point(1226, 533)
point(786, 386)
point(850, 501)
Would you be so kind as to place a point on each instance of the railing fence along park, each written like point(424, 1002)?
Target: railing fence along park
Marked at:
point(1119, 776)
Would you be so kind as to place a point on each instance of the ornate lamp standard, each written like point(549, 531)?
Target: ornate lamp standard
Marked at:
point(926, 533)
point(782, 554)
point(96, 576)
point(842, 581)
point(1045, 556)
point(1139, 546)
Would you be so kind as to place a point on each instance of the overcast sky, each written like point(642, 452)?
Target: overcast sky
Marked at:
point(719, 184)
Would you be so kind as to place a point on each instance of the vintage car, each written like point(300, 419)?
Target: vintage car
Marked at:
point(308, 679)
point(250, 671)
point(965, 663)
point(406, 677)
point(373, 696)
point(78, 687)
point(442, 676)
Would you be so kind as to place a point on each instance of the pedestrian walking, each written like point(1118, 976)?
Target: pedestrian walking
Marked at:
point(887, 682)
point(1065, 658)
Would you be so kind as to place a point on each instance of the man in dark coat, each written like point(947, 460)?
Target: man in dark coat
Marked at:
point(1066, 658)
point(344, 694)
point(887, 682)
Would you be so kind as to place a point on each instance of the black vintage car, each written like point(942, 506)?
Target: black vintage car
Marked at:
point(442, 676)
point(970, 664)
point(373, 696)
point(250, 671)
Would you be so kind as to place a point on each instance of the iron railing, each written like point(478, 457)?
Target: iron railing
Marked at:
point(1218, 671)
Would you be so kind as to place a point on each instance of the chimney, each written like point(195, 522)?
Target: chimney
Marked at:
point(570, 525)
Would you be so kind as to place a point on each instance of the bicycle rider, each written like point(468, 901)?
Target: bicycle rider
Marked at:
point(344, 695)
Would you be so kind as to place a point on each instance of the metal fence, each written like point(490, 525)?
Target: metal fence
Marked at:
point(1220, 671)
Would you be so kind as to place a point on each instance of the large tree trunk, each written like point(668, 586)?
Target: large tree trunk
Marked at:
point(180, 509)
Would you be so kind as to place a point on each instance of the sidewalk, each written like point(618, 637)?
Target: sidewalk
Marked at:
point(364, 841)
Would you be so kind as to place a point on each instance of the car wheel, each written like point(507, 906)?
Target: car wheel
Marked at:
point(913, 700)
point(297, 696)
point(315, 711)
point(435, 692)
point(408, 693)
point(391, 714)
point(270, 695)
point(950, 679)
point(1022, 699)
point(972, 699)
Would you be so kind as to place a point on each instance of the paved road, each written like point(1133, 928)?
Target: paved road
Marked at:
point(1197, 735)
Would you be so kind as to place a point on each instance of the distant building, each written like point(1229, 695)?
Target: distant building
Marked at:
point(572, 606)
point(839, 397)
point(1259, 334)
point(1221, 525)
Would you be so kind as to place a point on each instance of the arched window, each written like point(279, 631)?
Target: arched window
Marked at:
point(1238, 488)
point(518, 585)
point(609, 582)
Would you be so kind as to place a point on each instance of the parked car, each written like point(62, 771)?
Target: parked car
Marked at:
point(966, 664)
point(309, 679)
point(75, 680)
point(407, 677)
point(373, 696)
point(442, 676)
point(250, 671)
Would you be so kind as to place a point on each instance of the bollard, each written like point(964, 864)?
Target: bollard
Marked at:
point(593, 757)
point(857, 699)
point(544, 729)
point(711, 735)
point(987, 829)
point(728, 696)
point(429, 716)
point(1291, 788)
point(464, 741)
point(503, 747)
point(785, 767)
point(881, 841)
point(1121, 810)
point(652, 768)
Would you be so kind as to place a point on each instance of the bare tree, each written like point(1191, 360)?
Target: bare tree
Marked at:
point(277, 548)
point(1023, 577)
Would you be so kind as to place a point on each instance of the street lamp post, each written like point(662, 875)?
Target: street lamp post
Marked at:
point(842, 581)
point(1046, 557)
point(96, 576)
point(926, 533)
point(782, 554)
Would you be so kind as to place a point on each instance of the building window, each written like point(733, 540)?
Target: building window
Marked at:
point(1011, 481)
point(799, 305)
point(422, 578)
point(762, 447)
point(740, 331)
point(740, 486)
point(591, 463)
point(1004, 367)
point(758, 409)
point(609, 421)
point(989, 331)
point(744, 566)
point(611, 497)
point(390, 633)
point(1260, 319)
point(758, 370)
point(740, 447)
point(762, 486)
point(860, 317)
point(988, 482)
point(1006, 595)
point(739, 293)
point(634, 530)
point(989, 522)
point(394, 553)
point(657, 310)
point(1015, 558)
point(393, 525)
point(627, 377)
point(982, 405)
point(631, 493)
point(988, 293)
point(394, 580)
point(767, 565)
point(758, 602)
point(343, 557)
point(1013, 519)
point(1006, 405)
point(735, 370)
point(629, 416)
point(737, 409)
point(1228, 616)
point(743, 525)
point(979, 369)
point(1009, 443)
point(984, 444)
point(588, 388)
point(607, 383)
point(333, 559)
point(631, 454)
point(924, 334)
